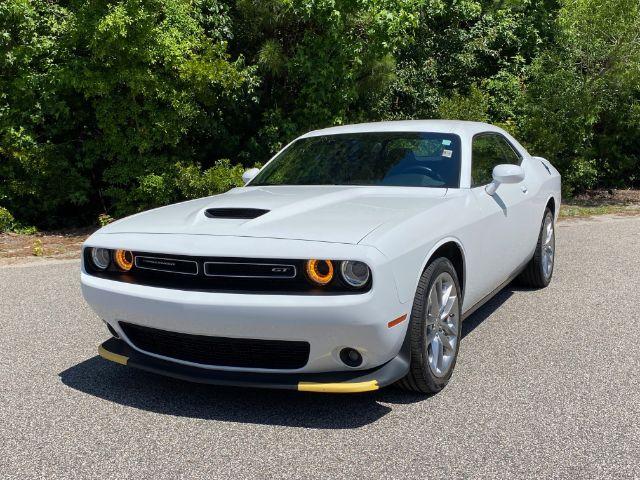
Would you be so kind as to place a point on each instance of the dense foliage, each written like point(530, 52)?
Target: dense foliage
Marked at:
point(113, 106)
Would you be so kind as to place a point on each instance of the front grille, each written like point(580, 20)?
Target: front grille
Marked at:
point(249, 270)
point(241, 213)
point(221, 274)
point(164, 264)
point(219, 351)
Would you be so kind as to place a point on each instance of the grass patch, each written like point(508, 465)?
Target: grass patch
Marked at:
point(601, 202)
point(573, 210)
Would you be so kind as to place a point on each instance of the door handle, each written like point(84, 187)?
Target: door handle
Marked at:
point(524, 189)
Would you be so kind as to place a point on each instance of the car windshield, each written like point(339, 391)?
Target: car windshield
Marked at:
point(414, 159)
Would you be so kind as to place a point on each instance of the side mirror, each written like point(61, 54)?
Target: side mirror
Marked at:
point(248, 175)
point(505, 173)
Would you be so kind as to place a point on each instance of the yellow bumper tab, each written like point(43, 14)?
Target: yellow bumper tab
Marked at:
point(114, 357)
point(345, 387)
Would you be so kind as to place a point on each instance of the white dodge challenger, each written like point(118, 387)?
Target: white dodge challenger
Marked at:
point(347, 263)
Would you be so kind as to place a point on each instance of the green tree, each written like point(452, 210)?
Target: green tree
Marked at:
point(38, 174)
point(113, 106)
point(107, 93)
point(473, 107)
point(458, 45)
point(582, 106)
point(322, 62)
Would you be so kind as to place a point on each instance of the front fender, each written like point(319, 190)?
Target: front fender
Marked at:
point(408, 267)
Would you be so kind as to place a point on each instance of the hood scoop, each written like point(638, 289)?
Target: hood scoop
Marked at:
point(237, 213)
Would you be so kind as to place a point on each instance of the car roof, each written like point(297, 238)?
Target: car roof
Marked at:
point(465, 129)
point(459, 127)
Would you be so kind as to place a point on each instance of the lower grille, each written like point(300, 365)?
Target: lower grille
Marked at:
point(219, 351)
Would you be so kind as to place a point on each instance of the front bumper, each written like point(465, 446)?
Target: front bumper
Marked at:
point(328, 323)
point(120, 352)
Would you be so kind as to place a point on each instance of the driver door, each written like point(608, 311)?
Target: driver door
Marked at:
point(503, 216)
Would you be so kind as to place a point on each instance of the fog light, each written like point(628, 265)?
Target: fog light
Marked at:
point(351, 357)
point(320, 271)
point(124, 259)
point(100, 257)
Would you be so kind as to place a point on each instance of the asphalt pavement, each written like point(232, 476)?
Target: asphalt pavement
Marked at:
point(547, 386)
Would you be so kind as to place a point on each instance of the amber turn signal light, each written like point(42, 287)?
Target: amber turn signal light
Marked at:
point(124, 259)
point(320, 272)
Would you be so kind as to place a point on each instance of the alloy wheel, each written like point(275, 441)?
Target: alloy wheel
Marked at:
point(442, 324)
point(548, 246)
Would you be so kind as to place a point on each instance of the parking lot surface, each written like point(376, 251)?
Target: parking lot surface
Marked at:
point(547, 386)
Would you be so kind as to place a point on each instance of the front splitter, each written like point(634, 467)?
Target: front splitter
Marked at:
point(116, 350)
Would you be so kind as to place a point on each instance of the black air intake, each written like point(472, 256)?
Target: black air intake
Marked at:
point(243, 213)
point(219, 351)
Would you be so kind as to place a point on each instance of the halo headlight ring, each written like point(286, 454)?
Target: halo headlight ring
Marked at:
point(124, 260)
point(355, 274)
point(319, 272)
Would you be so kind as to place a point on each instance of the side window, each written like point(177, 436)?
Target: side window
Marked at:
point(487, 151)
point(510, 155)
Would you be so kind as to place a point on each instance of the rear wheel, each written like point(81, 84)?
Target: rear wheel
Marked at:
point(539, 270)
point(434, 329)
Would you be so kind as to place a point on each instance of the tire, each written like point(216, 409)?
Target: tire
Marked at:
point(538, 272)
point(422, 377)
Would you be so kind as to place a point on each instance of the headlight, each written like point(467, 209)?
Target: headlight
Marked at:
point(124, 259)
point(354, 273)
point(100, 257)
point(320, 272)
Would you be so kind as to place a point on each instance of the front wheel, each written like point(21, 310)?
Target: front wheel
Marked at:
point(539, 270)
point(434, 329)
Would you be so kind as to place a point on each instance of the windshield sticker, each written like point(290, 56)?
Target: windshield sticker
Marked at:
point(447, 153)
point(446, 143)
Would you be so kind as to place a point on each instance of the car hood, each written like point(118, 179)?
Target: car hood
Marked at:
point(341, 214)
